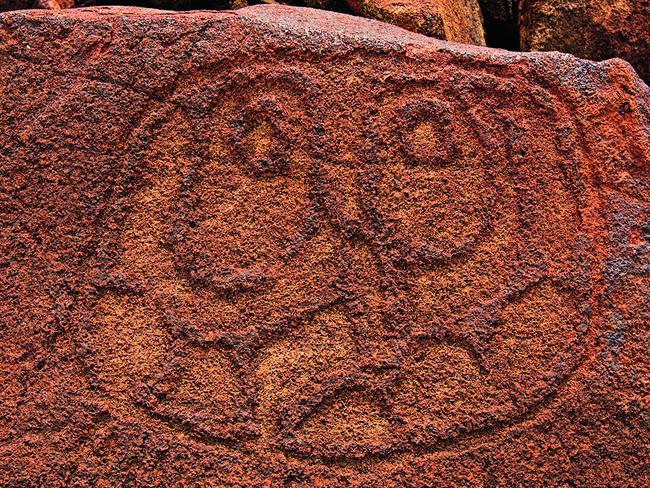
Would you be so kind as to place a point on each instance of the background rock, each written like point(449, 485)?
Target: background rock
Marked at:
point(55, 4)
point(451, 20)
point(278, 246)
point(596, 30)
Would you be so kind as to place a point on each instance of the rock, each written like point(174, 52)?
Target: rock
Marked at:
point(451, 20)
point(280, 246)
point(7, 5)
point(55, 4)
point(597, 30)
point(324, 4)
point(235, 4)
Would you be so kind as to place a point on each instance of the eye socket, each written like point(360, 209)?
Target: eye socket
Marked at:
point(426, 133)
point(243, 207)
point(262, 138)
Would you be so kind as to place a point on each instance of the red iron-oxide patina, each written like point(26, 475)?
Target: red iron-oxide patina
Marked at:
point(282, 247)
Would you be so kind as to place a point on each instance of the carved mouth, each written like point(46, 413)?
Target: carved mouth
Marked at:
point(230, 281)
point(439, 392)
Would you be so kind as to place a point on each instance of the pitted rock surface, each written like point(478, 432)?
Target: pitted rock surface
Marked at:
point(281, 247)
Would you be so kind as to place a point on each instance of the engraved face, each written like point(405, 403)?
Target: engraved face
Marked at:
point(349, 276)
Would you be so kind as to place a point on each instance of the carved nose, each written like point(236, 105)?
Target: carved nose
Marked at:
point(373, 306)
point(345, 199)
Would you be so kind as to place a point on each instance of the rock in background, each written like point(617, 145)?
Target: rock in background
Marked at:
point(7, 5)
point(590, 29)
point(451, 20)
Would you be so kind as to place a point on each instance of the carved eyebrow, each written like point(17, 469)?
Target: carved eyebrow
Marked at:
point(260, 137)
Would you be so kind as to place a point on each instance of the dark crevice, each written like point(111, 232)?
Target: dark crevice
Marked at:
point(503, 35)
point(342, 6)
point(501, 23)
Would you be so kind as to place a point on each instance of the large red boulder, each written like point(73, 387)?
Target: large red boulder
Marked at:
point(591, 29)
point(279, 246)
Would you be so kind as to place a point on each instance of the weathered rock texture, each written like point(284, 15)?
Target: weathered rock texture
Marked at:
point(590, 29)
point(281, 247)
point(7, 5)
point(451, 20)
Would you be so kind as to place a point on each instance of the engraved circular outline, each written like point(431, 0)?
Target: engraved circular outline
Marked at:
point(411, 253)
point(256, 278)
point(431, 439)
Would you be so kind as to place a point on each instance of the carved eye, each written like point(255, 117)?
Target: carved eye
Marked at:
point(262, 138)
point(244, 207)
point(434, 194)
point(427, 137)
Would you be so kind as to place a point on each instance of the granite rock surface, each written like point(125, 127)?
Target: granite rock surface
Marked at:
point(282, 247)
point(451, 20)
